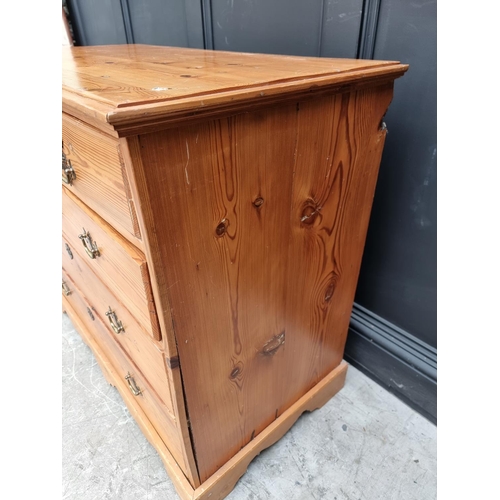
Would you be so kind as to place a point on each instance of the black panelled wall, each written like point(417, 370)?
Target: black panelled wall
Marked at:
point(393, 328)
point(398, 275)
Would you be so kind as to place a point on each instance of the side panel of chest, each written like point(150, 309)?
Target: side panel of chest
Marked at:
point(260, 221)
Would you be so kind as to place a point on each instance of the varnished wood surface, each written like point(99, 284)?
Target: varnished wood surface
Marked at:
point(113, 376)
point(249, 180)
point(101, 181)
point(165, 425)
point(88, 110)
point(139, 83)
point(120, 264)
point(224, 480)
point(145, 352)
point(135, 171)
point(261, 242)
point(140, 74)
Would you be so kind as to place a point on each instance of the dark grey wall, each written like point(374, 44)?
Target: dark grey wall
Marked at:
point(398, 275)
point(393, 327)
point(156, 22)
point(97, 22)
point(400, 256)
point(293, 27)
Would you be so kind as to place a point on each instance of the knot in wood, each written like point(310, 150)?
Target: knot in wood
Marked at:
point(329, 291)
point(309, 214)
point(273, 345)
point(258, 202)
point(220, 229)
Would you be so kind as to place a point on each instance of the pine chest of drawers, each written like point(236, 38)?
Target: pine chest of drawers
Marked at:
point(215, 207)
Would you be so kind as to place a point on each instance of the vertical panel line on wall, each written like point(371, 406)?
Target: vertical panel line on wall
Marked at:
point(368, 31)
point(321, 24)
point(208, 35)
point(127, 21)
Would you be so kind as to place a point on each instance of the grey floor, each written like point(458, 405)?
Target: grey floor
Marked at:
point(364, 444)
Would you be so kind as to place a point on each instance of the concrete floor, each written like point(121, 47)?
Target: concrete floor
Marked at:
point(364, 444)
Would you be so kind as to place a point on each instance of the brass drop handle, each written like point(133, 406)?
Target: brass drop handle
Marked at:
point(65, 289)
point(132, 385)
point(89, 245)
point(116, 325)
point(68, 173)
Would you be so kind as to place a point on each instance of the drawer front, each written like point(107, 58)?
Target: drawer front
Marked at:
point(100, 181)
point(117, 262)
point(121, 325)
point(90, 316)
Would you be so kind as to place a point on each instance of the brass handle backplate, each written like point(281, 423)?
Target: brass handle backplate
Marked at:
point(132, 385)
point(89, 245)
point(116, 325)
point(68, 173)
point(65, 288)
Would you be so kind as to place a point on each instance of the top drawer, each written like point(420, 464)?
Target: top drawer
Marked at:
point(101, 181)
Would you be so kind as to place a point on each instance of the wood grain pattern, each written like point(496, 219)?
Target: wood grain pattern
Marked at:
point(113, 376)
point(136, 173)
point(120, 265)
point(335, 175)
point(89, 111)
point(143, 84)
point(135, 120)
point(206, 189)
point(165, 425)
point(101, 181)
point(131, 204)
point(224, 480)
point(231, 195)
point(136, 74)
point(146, 354)
point(260, 237)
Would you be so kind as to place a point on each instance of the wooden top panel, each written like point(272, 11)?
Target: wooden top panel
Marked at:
point(126, 75)
point(124, 82)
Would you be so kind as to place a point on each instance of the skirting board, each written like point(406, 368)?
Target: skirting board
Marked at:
point(395, 359)
point(220, 484)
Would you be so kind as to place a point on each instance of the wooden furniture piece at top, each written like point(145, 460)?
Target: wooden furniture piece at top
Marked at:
point(215, 208)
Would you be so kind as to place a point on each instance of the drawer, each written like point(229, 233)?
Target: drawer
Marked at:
point(89, 314)
point(122, 325)
point(101, 181)
point(118, 263)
